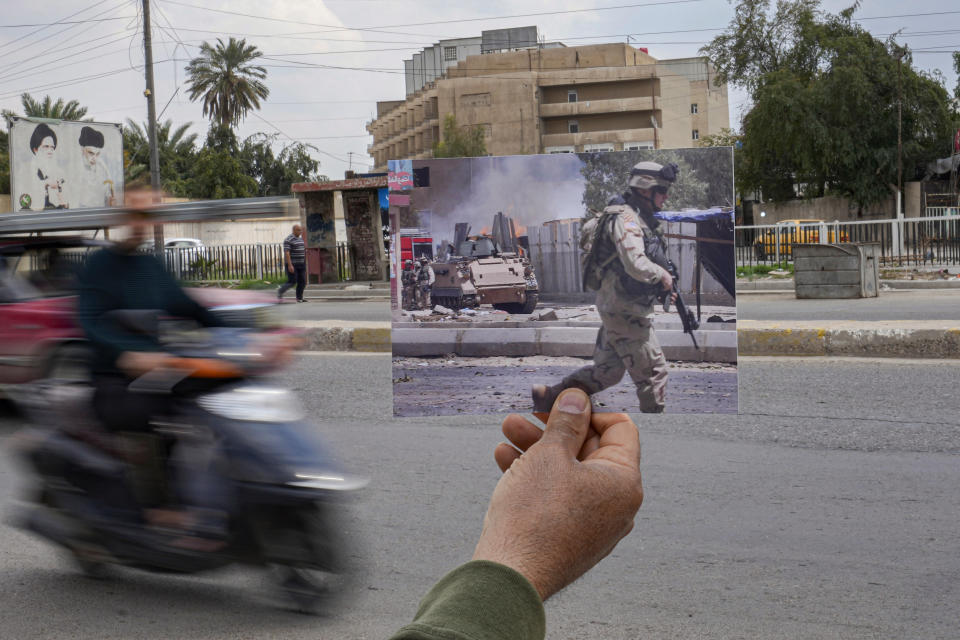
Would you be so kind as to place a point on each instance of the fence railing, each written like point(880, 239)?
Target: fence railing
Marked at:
point(930, 240)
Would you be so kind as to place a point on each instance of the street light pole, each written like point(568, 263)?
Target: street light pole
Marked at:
point(152, 121)
point(902, 52)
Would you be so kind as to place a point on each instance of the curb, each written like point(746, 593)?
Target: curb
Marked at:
point(864, 340)
point(861, 342)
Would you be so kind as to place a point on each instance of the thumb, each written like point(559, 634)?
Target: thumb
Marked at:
point(569, 421)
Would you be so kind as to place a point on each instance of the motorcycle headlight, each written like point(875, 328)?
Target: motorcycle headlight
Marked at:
point(254, 404)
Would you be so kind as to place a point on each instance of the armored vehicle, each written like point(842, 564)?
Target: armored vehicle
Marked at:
point(486, 269)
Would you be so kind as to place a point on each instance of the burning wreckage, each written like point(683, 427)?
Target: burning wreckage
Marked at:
point(486, 269)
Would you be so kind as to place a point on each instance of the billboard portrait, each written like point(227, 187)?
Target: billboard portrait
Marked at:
point(56, 164)
point(520, 276)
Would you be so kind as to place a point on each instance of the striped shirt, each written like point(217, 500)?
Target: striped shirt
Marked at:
point(294, 245)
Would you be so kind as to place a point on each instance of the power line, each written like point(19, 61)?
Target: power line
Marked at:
point(21, 73)
point(51, 24)
point(42, 28)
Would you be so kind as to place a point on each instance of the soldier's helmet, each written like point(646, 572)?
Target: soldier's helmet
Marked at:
point(408, 262)
point(648, 175)
point(424, 260)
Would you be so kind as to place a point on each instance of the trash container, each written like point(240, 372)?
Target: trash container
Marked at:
point(842, 270)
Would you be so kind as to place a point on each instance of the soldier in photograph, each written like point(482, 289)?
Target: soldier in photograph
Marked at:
point(425, 280)
point(626, 247)
point(408, 278)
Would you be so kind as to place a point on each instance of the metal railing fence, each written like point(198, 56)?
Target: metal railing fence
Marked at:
point(929, 240)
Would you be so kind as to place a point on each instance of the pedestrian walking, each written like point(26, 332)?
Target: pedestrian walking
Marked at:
point(295, 260)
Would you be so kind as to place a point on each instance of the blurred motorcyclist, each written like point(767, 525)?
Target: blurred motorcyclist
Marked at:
point(119, 278)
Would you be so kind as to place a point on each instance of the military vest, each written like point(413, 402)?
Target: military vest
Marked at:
point(602, 255)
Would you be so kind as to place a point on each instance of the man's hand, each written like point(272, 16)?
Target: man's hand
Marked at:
point(666, 281)
point(289, 267)
point(137, 363)
point(566, 497)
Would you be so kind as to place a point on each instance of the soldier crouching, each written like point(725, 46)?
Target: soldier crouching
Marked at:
point(629, 281)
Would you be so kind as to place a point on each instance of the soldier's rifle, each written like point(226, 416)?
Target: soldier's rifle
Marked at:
point(689, 320)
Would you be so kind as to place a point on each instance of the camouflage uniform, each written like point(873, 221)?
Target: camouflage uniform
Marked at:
point(409, 279)
point(627, 342)
point(425, 280)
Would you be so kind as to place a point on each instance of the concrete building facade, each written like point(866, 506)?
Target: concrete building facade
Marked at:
point(607, 97)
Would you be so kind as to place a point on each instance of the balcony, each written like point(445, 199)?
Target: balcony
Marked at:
point(593, 137)
point(590, 107)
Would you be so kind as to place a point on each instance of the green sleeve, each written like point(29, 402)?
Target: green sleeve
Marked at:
point(479, 600)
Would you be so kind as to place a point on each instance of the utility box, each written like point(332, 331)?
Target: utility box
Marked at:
point(843, 270)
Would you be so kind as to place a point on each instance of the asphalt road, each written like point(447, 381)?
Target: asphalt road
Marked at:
point(827, 510)
point(896, 304)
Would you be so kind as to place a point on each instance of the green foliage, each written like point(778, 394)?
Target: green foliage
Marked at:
point(47, 108)
point(218, 174)
point(175, 147)
point(460, 142)
point(705, 178)
point(825, 96)
point(227, 81)
point(276, 172)
point(750, 271)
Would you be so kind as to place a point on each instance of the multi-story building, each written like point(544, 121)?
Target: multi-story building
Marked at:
point(556, 99)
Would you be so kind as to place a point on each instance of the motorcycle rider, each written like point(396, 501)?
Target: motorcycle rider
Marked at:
point(119, 278)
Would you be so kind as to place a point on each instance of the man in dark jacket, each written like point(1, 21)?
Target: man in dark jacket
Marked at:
point(118, 278)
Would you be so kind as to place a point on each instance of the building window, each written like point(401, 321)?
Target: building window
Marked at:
point(573, 126)
point(449, 53)
point(601, 146)
point(635, 146)
point(565, 149)
point(571, 95)
point(693, 108)
point(696, 134)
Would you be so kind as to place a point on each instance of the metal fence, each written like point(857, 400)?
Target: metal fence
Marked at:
point(930, 240)
point(226, 262)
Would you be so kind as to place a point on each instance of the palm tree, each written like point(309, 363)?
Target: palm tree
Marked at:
point(225, 79)
point(176, 149)
point(47, 108)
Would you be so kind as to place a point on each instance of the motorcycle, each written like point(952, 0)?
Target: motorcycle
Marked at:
point(286, 492)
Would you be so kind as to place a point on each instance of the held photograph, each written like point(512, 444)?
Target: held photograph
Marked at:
point(516, 277)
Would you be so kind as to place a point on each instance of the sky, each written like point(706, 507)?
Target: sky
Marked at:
point(330, 61)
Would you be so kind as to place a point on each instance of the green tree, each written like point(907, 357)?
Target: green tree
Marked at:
point(825, 95)
point(47, 108)
point(275, 173)
point(956, 69)
point(227, 81)
point(460, 142)
point(218, 174)
point(606, 175)
point(177, 151)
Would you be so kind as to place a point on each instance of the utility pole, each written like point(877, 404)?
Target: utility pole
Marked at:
point(152, 122)
point(900, 55)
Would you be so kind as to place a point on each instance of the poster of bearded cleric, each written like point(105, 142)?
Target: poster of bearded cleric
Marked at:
point(64, 165)
point(521, 276)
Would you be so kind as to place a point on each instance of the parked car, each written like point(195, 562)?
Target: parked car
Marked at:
point(792, 232)
point(39, 336)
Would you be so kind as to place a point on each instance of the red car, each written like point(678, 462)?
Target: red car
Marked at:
point(39, 336)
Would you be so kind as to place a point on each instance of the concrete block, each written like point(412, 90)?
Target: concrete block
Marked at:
point(420, 343)
point(371, 339)
point(497, 342)
point(567, 341)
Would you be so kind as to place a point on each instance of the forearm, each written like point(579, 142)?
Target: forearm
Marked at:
point(479, 600)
